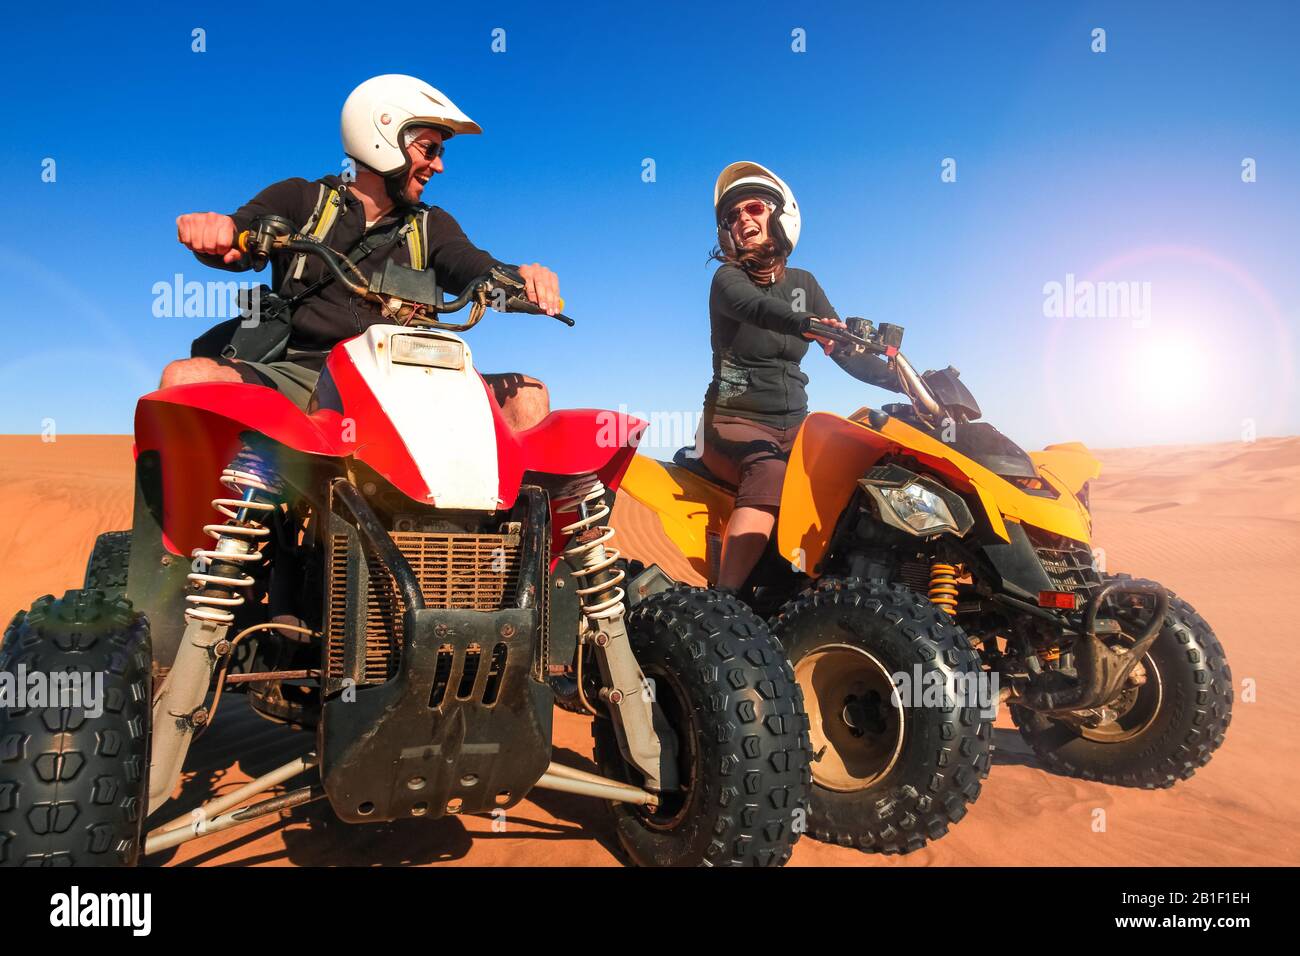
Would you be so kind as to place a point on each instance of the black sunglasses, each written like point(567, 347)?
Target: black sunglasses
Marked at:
point(433, 150)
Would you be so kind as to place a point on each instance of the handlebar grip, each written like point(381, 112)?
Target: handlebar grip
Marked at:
point(844, 336)
point(517, 303)
point(241, 240)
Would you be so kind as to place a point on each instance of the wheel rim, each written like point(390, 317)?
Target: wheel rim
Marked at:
point(1135, 709)
point(855, 723)
point(676, 707)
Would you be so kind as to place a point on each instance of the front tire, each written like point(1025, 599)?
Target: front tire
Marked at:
point(725, 686)
point(73, 779)
point(1165, 729)
point(110, 559)
point(889, 774)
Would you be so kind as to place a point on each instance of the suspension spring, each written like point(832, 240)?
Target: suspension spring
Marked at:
point(943, 587)
point(595, 564)
point(220, 571)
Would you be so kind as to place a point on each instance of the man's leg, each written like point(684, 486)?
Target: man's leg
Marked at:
point(295, 382)
point(524, 400)
point(194, 370)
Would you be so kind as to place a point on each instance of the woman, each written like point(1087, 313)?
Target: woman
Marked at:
point(760, 310)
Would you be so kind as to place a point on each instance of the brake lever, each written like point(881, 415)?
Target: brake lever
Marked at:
point(518, 303)
point(873, 344)
point(843, 336)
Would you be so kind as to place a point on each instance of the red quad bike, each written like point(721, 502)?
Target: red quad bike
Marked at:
point(399, 570)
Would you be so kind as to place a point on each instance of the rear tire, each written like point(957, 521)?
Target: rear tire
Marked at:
point(1171, 727)
point(726, 688)
point(74, 786)
point(886, 777)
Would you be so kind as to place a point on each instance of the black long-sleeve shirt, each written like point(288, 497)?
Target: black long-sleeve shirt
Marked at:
point(334, 312)
point(758, 344)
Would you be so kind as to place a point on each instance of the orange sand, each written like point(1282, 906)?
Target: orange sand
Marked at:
point(1220, 524)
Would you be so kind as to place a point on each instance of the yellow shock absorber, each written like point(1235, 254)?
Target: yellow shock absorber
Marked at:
point(943, 587)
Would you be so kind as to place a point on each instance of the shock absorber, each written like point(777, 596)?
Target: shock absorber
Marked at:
point(644, 736)
point(943, 587)
point(217, 578)
point(219, 572)
point(595, 564)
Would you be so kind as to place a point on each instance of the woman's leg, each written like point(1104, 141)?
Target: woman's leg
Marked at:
point(746, 539)
point(752, 457)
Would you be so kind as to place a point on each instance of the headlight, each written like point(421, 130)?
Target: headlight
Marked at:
point(919, 508)
point(916, 503)
point(427, 350)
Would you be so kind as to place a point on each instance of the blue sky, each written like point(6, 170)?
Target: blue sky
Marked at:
point(1122, 166)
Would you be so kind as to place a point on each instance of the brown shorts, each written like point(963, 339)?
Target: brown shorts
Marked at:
point(749, 455)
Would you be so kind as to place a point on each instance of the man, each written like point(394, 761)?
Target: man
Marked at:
point(394, 128)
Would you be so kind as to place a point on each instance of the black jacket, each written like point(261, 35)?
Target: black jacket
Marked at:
point(757, 338)
point(334, 313)
point(758, 344)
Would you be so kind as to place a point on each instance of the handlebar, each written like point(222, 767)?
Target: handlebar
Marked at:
point(407, 298)
point(884, 341)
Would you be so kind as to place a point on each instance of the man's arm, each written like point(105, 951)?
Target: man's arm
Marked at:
point(211, 235)
point(457, 262)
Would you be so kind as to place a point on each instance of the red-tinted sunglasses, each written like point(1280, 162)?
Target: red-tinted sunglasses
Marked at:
point(754, 208)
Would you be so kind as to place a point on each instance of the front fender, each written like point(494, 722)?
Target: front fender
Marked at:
point(195, 429)
point(830, 453)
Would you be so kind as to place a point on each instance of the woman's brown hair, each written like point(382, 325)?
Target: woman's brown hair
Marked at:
point(763, 263)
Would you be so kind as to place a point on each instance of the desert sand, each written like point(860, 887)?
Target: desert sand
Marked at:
point(1220, 524)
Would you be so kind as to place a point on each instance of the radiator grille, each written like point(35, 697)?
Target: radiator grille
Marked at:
point(1069, 568)
point(476, 572)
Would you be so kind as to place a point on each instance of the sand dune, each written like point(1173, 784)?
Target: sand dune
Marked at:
point(1220, 524)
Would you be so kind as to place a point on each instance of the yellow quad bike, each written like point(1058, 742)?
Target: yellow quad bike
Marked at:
point(925, 570)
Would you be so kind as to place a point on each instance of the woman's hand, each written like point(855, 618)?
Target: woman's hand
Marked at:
point(543, 287)
point(829, 345)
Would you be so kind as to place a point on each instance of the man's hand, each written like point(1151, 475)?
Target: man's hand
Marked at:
point(829, 345)
point(543, 287)
point(209, 234)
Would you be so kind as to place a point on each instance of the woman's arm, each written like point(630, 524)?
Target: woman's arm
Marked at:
point(871, 369)
point(865, 367)
point(734, 296)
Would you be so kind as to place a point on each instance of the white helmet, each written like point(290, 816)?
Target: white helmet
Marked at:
point(751, 179)
point(377, 111)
